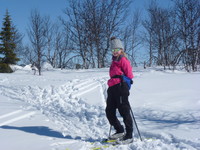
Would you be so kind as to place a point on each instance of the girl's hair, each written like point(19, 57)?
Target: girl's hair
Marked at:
point(123, 53)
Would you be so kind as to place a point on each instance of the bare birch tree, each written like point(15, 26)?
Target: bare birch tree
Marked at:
point(188, 22)
point(49, 35)
point(162, 35)
point(131, 37)
point(36, 33)
point(93, 22)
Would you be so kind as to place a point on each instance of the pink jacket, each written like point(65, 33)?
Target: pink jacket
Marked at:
point(121, 66)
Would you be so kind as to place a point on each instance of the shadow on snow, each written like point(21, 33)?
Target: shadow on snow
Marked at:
point(39, 130)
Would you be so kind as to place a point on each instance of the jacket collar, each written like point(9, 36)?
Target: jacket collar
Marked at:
point(117, 58)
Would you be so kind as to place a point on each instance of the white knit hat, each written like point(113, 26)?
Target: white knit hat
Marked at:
point(116, 43)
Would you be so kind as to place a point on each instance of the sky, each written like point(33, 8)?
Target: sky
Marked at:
point(20, 10)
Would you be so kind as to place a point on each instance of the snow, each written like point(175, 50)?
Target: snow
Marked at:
point(47, 66)
point(65, 109)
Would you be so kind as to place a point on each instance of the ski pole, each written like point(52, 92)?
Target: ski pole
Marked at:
point(135, 122)
point(110, 131)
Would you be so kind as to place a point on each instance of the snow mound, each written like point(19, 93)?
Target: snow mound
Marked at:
point(15, 67)
point(47, 66)
point(27, 67)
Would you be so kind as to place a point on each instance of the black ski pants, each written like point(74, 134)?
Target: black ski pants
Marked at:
point(119, 101)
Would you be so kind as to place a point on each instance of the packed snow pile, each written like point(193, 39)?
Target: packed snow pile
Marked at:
point(47, 66)
point(15, 67)
point(65, 110)
point(27, 67)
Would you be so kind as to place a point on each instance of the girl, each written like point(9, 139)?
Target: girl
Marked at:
point(118, 93)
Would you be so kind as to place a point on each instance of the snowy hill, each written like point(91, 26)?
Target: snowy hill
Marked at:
point(65, 110)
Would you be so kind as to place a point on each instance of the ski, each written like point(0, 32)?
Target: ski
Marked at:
point(108, 141)
point(105, 144)
point(101, 147)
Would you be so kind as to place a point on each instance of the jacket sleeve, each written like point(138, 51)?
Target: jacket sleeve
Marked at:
point(126, 67)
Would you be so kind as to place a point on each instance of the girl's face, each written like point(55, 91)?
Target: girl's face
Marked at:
point(116, 52)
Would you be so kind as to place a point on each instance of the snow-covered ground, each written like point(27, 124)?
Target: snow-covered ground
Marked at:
point(65, 110)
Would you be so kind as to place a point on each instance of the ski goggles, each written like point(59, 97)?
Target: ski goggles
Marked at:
point(116, 50)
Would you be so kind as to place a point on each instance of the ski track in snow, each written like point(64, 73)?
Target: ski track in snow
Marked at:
point(10, 114)
point(63, 105)
point(17, 118)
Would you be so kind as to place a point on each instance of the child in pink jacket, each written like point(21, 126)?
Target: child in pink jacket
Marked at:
point(118, 92)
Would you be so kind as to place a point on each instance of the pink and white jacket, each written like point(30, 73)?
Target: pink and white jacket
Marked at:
point(120, 66)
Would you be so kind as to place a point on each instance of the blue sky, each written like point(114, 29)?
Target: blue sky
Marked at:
point(20, 10)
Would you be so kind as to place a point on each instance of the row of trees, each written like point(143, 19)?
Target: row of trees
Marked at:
point(81, 38)
point(173, 35)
